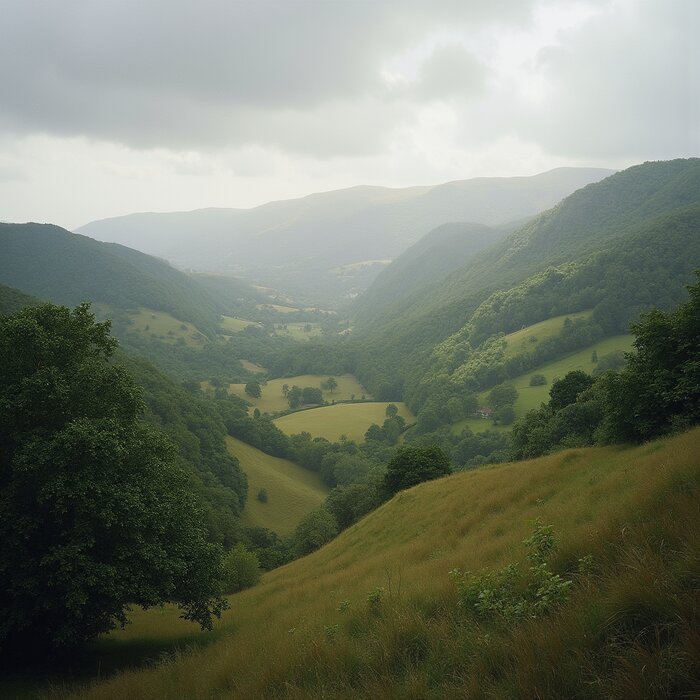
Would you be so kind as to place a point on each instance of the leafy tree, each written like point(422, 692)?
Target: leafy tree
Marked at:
point(391, 410)
point(253, 389)
point(317, 528)
point(94, 514)
point(311, 395)
point(331, 384)
point(294, 397)
point(564, 391)
point(538, 380)
point(502, 395)
point(241, 569)
point(412, 465)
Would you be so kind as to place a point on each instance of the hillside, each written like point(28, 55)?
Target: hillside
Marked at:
point(374, 614)
point(291, 491)
point(620, 245)
point(67, 268)
point(12, 300)
point(297, 244)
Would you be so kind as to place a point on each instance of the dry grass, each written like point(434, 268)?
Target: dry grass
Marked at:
point(627, 632)
point(349, 419)
point(292, 492)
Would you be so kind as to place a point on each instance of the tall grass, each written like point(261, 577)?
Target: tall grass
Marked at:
point(628, 630)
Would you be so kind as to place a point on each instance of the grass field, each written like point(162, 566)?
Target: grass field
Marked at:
point(528, 339)
point(349, 419)
point(230, 324)
point(292, 491)
point(308, 631)
point(530, 397)
point(298, 331)
point(279, 308)
point(252, 367)
point(165, 327)
point(272, 399)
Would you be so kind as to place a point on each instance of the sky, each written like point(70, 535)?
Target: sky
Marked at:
point(109, 107)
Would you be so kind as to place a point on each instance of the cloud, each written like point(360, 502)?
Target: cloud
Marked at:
point(625, 84)
point(164, 73)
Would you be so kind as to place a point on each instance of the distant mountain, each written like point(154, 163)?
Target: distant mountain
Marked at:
point(304, 246)
point(635, 235)
point(430, 260)
point(67, 268)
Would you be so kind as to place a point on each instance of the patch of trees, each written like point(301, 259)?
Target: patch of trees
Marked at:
point(657, 392)
point(95, 512)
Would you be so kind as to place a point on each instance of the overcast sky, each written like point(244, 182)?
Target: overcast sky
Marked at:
point(113, 106)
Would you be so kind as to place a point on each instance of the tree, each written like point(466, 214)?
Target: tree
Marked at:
point(331, 384)
point(241, 569)
point(564, 391)
point(294, 397)
point(391, 410)
point(94, 514)
point(317, 528)
point(502, 395)
point(253, 389)
point(311, 395)
point(412, 465)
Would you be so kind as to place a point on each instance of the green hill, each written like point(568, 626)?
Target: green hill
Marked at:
point(374, 614)
point(12, 300)
point(292, 491)
point(287, 244)
point(617, 247)
point(66, 268)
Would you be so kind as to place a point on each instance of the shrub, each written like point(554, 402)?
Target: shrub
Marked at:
point(538, 380)
point(241, 569)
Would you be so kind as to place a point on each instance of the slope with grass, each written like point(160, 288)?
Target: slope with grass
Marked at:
point(527, 339)
point(292, 491)
point(349, 419)
point(310, 629)
point(272, 398)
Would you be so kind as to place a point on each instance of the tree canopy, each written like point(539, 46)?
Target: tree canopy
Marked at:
point(413, 464)
point(94, 514)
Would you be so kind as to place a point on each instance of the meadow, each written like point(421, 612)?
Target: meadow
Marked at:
point(348, 419)
point(374, 614)
point(292, 491)
point(530, 397)
point(161, 325)
point(299, 331)
point(272, 399)
point(231, 324)
point(527, 339)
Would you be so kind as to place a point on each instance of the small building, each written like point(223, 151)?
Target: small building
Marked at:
point(485, 412)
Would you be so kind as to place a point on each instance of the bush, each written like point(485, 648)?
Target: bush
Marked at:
point(538, 380)
point(262, 495)
point(241, 569)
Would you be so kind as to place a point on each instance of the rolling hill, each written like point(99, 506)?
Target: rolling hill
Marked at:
point(67, 268)
point(374, 614)
point(617, 247)
point(297, 244)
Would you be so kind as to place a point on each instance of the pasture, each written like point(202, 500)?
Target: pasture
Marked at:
point(526, 340)
point(253, 367)
point(299, 331)
point(231, 324)
point(272, 399)
point(349, 419)
point(292, 491)
point(165, 327)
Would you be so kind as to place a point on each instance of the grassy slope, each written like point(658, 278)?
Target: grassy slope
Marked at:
point(230, 324)
point(527, 339)
point(292, 491)
point(166, 327)
point(273, 400)
point(530, 397)
point(634, 509)
point(349, 419)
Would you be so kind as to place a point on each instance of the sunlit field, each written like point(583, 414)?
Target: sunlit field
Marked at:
point(349, 419)
point(272, 398)
point(231, 324)
point(161, 325)
point(527, 339)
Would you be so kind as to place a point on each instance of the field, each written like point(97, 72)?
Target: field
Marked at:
point(292, 491)
point(349, 419)
point(530, 397)
point(163, 326)
point(299, 331)
point(279, 308)
point(272, 398)
point(311, 630)
point(252, 367)
point(230, 324)
point(527, 339)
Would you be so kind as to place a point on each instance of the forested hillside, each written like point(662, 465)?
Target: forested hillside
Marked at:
point(617, 247)
point(302, 245)
point(52, 263)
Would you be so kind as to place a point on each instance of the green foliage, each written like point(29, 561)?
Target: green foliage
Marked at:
point(412, 465)
point(262, 495)
point(538, 380)
point(253, 389)
point(95, 514)
point(311, 395)
point(509, 595)
point(317, 528)
point(241, 569)
point(331, 384)
point(565, 391)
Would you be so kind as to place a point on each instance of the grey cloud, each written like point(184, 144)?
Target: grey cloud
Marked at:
point(174, 73)
point(450, 71)
point(626, 85)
